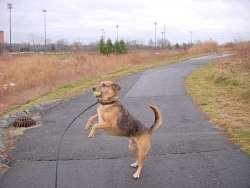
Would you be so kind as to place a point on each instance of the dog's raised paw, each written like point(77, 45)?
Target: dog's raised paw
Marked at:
point(91, 136)
point(87, 127)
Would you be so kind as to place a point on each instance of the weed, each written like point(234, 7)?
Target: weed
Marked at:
point(224, 80)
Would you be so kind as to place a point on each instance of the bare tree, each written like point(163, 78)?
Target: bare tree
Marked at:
point(34, 38)
point(31, 38)
point(48, 41)
point(151, 42)
point(40, 41)
point(77, 46)
point(62, 45)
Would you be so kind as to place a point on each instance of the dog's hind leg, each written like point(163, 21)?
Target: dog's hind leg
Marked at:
point(134, 149)
point(143, 144)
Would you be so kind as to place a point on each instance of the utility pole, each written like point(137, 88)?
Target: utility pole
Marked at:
point(9, 6)
point(191, 37)
point(162, 33)
point(117, 32)
point(155, 32)
point(45, 29)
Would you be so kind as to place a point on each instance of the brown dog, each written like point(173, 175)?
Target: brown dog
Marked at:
point(116, 121)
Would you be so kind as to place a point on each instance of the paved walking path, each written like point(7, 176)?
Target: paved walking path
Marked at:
point(186, 151)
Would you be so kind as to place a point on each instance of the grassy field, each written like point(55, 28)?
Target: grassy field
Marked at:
point(222, 90)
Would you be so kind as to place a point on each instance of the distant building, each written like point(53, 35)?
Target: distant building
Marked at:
point(1, 42)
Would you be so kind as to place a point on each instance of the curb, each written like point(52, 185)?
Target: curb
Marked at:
point(8, 120)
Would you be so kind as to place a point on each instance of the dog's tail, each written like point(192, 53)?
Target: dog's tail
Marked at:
point(158, 119)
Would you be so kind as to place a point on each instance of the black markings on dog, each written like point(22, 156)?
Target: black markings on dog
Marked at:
point(129, 126)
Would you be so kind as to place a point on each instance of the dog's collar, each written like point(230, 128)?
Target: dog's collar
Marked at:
point(107, 102)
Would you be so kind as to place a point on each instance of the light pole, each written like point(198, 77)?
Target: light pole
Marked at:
point(45, 29)
point(9, 6)
point(191, 37)
point(117, 32)
point(155, 32)
point(162, 33)
point(103, 35)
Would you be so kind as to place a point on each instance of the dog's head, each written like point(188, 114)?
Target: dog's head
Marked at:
point(106, 90)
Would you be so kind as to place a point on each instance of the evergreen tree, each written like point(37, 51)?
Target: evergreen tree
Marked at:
point(109, 46)
point(123, 47)
point(103, 47)
point(177, 46)
point(117, 48)
point(52, 47)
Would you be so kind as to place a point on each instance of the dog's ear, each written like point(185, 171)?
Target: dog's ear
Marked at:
point(116, 87)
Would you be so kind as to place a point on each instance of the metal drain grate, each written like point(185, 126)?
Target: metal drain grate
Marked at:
point(24, 122)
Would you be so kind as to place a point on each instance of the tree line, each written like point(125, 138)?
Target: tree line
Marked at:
point(36, 44)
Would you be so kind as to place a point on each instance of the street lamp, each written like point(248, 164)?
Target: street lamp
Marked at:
point(9, 6)
point(155, 32)
point(117, 32)
point(103, 35)
point(45, 29)
point(162, 33)
point(191, 38)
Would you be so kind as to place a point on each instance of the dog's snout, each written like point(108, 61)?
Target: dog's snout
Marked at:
point(93, 88)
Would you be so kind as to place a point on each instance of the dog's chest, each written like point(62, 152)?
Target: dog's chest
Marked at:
point(99, 116)
point(102, 112)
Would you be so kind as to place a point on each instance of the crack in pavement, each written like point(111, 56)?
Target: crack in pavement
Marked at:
point(120, 157)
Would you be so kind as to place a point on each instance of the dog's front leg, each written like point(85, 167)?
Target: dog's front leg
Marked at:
point(91, 119)
point(103, 125)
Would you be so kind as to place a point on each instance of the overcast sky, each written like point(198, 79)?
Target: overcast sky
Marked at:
point(84, 20)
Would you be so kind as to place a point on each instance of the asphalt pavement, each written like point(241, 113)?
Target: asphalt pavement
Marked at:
point(186, 151)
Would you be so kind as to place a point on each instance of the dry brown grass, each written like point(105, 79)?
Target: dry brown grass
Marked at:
point(35, 75)
point(209, 46)
point(222, 90)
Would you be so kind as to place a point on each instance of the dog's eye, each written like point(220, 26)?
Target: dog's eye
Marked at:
point(104, 85)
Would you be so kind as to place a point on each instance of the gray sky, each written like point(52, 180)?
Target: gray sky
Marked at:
point(83, 20)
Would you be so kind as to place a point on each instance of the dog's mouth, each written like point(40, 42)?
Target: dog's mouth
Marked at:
point(97, 93)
